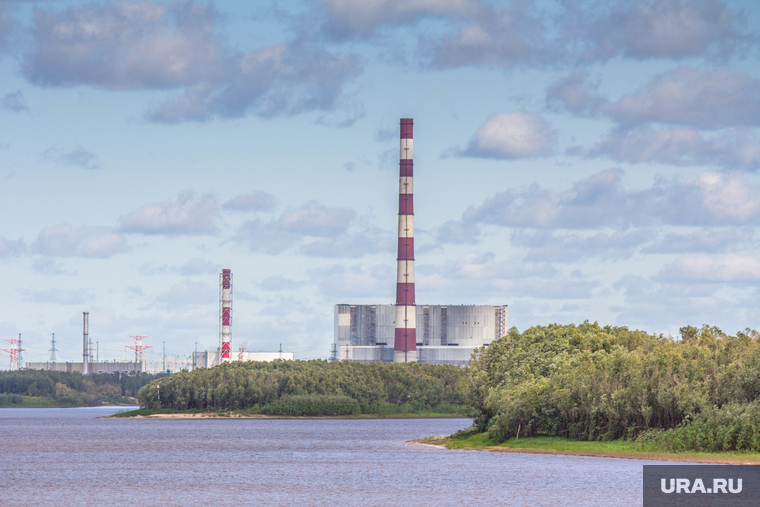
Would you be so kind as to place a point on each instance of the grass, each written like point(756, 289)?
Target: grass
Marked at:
point(558, 445)
point(35, 402)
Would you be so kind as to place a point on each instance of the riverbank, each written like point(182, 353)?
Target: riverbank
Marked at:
point(557, 445)
point(167, 414)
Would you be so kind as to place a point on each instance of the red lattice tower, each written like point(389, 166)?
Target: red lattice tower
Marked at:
point(15, 352)
point(138, 347)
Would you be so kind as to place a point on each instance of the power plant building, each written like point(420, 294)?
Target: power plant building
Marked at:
point(408, 332)
point(446, 334)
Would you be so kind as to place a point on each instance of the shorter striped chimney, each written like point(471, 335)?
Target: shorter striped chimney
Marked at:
point(225, 313)
point(405, 344)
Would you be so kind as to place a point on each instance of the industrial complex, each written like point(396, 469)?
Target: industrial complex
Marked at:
point(408, 332)
point(401, 332)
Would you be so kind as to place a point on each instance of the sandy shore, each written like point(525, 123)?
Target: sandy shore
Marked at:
point(690, 458)
point(212, 415)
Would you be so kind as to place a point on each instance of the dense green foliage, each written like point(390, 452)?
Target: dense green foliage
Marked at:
point(733, 427)
point(589, 382)
point(309, 388)
point(70, 389)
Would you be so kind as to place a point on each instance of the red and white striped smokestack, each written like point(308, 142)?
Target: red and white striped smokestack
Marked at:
point(225, 313)
point(405, 345)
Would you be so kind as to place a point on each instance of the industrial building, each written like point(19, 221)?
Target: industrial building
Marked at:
point(92, 368)
point(406, 331)
point(446, 334)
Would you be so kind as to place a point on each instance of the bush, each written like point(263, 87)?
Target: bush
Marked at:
point(300, 406)
point(734, 427)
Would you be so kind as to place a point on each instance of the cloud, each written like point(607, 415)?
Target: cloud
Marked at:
point(15, 102)
point(277, 283)
point(197, 266)
point(512, 136)
point(148, 45)
point(656, 29)
point(60, 296)
point(712, 199)
point(254, 201)
point(349, 246)
point(707, 241)
point(285, 79)
point(683, 96)
point(12, 248)
point(733, 149)
point(348, 284)
point(544, 246)
point(189, 293)
point(266, 237)
point(453, 232)
point(186, 214)
point(314, 219)
point(494, 36)
point(48, 266)
point(124, 45)
point(686, 96)
point(86, 241)
point(730, 268)
point(78, 157)
point(349, 19)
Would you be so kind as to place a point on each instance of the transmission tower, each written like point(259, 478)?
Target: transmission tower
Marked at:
point(138, 347)
point(15, 352)
point(52, 351)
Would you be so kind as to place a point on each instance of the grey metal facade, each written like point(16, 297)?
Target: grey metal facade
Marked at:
point(446, 334)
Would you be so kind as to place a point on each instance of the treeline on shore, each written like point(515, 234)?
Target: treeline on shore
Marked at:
point(69, 389)
point(697, 393)
point(302, 388)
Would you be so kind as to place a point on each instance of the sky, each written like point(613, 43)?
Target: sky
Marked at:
point(574, 160)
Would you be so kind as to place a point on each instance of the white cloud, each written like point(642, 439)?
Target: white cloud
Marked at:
point(60, 296)
point(277, 283)
point(85, 241)
point(124, 45)
point(712, 199)
point(656, 29)
point(545, 246)
point(185, 214)
point(500, 36)
point(511, 136)
point(254, 201)
point(314, 219)
point(77, 157)
point(686, 96)
point(349, 246)
point(15, 102)
point(736, 149)
point(347, 18)
point(175, 46)
point(189, 293)
point(348, 284)
point(11, 248)
point(729, 268)
point(705, 240)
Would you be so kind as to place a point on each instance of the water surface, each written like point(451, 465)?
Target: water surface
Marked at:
point(72, 457)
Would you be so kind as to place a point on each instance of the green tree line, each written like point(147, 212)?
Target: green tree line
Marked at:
point(589, 382)
point(303, 385)
point(73, 389)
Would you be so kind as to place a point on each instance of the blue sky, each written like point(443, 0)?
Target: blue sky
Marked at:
point(574, 160)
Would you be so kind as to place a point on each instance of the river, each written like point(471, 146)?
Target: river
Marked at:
point(74, 457)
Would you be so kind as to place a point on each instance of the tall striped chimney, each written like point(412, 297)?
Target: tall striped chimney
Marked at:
point(405, 345)
point(225, 313)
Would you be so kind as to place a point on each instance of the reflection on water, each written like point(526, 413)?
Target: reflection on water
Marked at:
point(70, 457)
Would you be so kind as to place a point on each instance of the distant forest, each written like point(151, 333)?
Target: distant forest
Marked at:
point(586, 382)
point(311, 388)
point(69, 389)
